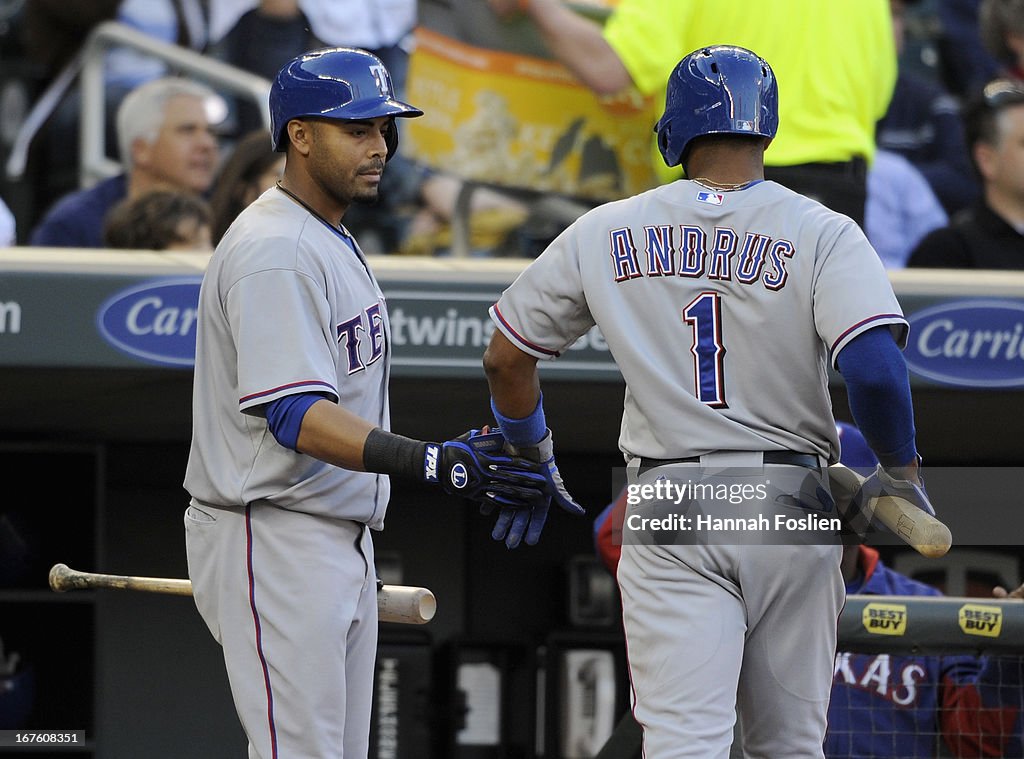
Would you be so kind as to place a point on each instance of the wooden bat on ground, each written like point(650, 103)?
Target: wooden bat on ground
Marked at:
point(918, 529)
point(395, 603)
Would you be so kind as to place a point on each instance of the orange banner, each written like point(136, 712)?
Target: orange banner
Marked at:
point(525, 123)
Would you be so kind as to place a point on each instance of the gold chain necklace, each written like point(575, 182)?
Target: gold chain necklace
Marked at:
point(721, 187)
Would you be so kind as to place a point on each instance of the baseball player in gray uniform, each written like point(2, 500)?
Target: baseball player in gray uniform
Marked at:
point(288, 470)
point(723, 299)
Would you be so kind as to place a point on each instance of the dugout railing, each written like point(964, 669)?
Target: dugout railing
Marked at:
point(931, 625)
point(897, 651)
point(87, 68)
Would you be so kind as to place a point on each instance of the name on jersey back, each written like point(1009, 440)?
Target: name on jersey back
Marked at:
point(688, 250)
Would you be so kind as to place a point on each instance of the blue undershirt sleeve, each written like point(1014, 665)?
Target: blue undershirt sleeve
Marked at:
point(284, 416)
point(878, 387)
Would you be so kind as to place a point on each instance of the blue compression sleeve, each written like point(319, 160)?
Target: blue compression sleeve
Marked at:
point(878, 387)
point(525, 431)
point(284, 416)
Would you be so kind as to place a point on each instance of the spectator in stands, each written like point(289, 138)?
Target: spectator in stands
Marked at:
point(886, 705)
point(901, 208)
point(825, 140)
point(494, 218)
point(261, 41)
point(1002, 32)
point(159, 220)
point(255, 34)
point(966, 64)
point(252, 168)
point(176, 22)
point(923, 125)
point(166, 141)
point(55, 29)
point(8, 234)
point(990, 233)
point(53, 32)
point(384, 27)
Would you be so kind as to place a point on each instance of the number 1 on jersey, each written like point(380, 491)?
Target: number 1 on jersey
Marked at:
point(704, 315)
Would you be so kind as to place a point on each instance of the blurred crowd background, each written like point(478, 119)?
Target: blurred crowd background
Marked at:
point(942, 177)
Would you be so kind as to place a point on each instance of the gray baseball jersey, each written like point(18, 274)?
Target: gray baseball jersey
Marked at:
point(695, 292)
point(288, 305)
point(723, 311)
point(278, 549)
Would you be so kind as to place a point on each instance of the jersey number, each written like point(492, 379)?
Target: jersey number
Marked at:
point(704, 315)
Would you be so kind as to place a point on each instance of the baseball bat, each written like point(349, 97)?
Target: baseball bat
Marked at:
point(395, 603)
point(918, 529)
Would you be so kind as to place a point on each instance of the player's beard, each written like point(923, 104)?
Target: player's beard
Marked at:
point(346, 186)
point(371, 194)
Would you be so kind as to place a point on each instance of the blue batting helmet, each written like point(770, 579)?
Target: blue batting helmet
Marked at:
point(854, 450)
point(717, 90)
point(341, 83)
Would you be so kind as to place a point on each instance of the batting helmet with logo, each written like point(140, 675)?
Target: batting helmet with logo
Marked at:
point(341, 83)
point(717, 90)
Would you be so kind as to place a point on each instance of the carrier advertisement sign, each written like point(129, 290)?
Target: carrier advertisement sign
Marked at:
point(131, 322)
point(433, 331)
point(977, 343)
point(438, 328)
point(154, 321)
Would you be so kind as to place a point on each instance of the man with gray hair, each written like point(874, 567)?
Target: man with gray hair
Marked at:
point(166, 141)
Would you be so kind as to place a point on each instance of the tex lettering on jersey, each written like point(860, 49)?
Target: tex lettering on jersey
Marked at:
point(690, 251)
point(350, 335)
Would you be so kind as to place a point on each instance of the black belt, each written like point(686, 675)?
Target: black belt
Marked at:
point(791, 458)
point(856, 167)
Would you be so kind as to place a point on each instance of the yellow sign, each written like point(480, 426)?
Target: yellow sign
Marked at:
point(524, 123)
point(885, 619)
point(977, 619)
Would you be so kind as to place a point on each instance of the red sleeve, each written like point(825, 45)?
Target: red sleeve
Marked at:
point(971, 728)
point(608, 534)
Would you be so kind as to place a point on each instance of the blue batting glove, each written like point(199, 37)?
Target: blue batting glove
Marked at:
point(512, 524)
point(479, 467)
point(881, 483)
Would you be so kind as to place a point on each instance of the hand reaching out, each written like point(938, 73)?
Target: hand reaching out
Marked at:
point(1001, 592)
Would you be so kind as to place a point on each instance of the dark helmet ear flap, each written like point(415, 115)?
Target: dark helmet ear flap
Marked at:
point(391, 139)
point(669, 147)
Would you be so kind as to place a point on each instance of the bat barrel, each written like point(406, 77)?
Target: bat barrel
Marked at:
point(406, 604)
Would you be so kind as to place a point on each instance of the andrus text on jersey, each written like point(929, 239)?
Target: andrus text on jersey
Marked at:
point(689, 251)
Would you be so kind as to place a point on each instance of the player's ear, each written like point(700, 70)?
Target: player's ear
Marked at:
point(300, 133)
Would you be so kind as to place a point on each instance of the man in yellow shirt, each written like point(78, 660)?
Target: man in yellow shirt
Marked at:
point(836, 60)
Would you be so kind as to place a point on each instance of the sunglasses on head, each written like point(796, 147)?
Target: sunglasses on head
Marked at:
point(1003, 92)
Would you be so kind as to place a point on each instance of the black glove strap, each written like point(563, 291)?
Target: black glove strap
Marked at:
point(388, 453)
